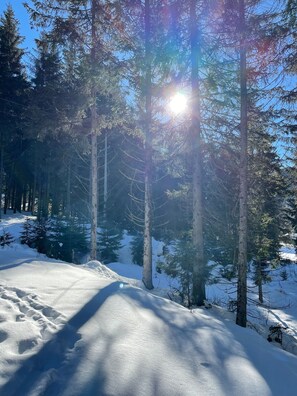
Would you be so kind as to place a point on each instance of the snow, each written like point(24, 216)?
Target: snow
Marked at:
point(74, 330)
point(288, 253)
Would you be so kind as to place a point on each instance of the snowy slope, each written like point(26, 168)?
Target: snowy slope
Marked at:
point(86, 331)
point(65, 330)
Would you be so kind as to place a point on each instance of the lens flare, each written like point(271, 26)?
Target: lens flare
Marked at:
point(178, 103)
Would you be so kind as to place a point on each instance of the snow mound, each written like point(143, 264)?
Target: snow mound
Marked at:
point(102, 270)
point(108, 273)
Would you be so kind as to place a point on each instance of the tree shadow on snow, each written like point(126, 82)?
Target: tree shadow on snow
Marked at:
point(208, 357)
point(124, 356)
point(9, 266)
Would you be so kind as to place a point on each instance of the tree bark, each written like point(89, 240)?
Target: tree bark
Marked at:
point(34, 184)
point(147, 246)
point(94, 191)
point(105, 179)
point(198, 292)
point(259, 280)
point(241, 314)
point(68, 190)
point(94, 147)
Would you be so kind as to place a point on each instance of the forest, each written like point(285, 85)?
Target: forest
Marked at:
point(92, 145)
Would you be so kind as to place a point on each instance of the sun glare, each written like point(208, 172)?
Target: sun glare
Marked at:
point(178, 103)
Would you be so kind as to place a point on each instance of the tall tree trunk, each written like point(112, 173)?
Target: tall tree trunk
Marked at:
point(94, 189)
point(47, 190)
point(68, 190)
point(259, 280)
point(105, 179)
point(24, 197)
point(241, 314)
point(18, 197)
point(34, 184)
point(40, 200)
point(147, 246)
point(29, 198)
point(94, 147)
point(6, 199)
point(198, 293)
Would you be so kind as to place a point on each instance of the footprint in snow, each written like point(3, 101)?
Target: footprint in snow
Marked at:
point(26, 345)
point(3, 336)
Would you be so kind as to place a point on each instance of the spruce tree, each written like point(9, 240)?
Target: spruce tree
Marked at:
point(13, 91)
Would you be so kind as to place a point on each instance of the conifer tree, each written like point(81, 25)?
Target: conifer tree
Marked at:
point(13, 87)
point(45, 116)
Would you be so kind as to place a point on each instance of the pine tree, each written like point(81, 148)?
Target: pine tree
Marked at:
point(137, 249)
point(66, 239)
point(109, 243)
point(179, 264)
point(46, 116)
point(267, 191)
point(13, 87)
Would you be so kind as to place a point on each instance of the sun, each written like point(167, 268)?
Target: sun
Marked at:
point(178, 103)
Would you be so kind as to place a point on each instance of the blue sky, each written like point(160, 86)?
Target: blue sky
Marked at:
point(24, 20)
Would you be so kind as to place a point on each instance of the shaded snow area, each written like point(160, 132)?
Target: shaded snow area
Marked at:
point(74, 330)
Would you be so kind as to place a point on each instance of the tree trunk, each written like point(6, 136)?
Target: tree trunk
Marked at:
point(147, 277)
point(105, 179)
point(47, 187)
point(29, 198)
point(259, 280)
point(94, 189)
point(24, 197)
point(40, 200)
point(68, 190)
point(18, 197)
point(34, 184)
point(94, 146)
point(198, 293)
point(241, 314)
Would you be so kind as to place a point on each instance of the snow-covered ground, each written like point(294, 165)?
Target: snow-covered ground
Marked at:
point(86, 330)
